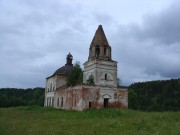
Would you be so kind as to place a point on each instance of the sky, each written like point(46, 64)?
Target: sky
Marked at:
point(36, 36)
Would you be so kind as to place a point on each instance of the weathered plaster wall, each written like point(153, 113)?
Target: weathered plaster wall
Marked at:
point(52, 83)
point(85, 97)
point(98, 68)
point(61, 80)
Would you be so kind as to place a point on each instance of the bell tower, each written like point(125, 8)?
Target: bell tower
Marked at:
point(99, 48)
point(100, 63)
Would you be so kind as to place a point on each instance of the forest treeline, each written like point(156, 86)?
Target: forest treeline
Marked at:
point(161, 95)
point(21, 97)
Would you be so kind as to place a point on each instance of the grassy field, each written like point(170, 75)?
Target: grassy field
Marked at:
point(47, 121)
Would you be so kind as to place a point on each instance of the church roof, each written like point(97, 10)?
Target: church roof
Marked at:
point(67, 68)
point(99, 38)
point(64, 70)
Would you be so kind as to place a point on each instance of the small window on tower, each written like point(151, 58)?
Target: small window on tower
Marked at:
point(105, 76)
point(97, 51)
point(105, 51)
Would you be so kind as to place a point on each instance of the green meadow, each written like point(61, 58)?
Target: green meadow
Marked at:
point(35, 120)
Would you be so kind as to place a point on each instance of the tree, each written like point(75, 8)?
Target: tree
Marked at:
point(161, 95)
point(75, 76)
point(132, 99)
point(90, 80)
point(21, 97)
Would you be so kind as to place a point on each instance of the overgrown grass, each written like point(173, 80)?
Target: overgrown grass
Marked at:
point(36, 120)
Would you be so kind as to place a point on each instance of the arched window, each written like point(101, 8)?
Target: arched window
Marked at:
point(97, 51)
point(46, 101)
point(49, 101)
point(51, 87)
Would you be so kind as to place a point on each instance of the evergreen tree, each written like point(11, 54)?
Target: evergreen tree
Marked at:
point(155, 95)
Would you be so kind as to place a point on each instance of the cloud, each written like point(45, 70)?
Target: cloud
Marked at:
point(35, 37)
point(150, 51)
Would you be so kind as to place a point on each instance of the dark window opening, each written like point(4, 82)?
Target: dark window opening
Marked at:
point(105, 76)
point(52, 101)
point(97, 51)
point(106, 102)
point(90, 104)
point(62, 102)
point(58, 102)
point(105, 51)
point(51, 87)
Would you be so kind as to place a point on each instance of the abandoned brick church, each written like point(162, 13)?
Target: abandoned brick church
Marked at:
point(104, 94)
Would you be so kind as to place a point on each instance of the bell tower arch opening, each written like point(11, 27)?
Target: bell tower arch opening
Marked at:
point(105, 51)
point(97, 51)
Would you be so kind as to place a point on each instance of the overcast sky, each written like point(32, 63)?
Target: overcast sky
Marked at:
point(36, 36)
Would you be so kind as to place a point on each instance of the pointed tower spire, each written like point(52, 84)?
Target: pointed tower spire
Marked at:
point(99, 38)
point(100, 48)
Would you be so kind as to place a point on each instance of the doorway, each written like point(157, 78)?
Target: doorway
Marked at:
point(106, 100)
point(90, 104)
